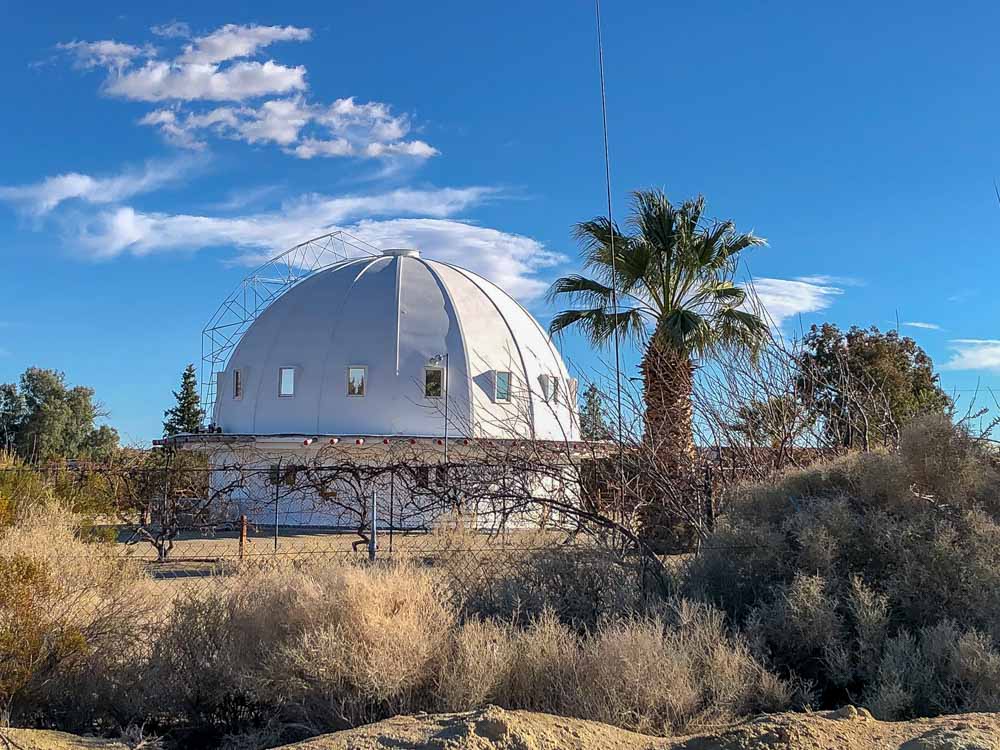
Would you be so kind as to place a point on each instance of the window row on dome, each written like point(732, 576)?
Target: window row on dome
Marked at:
point(435, 384)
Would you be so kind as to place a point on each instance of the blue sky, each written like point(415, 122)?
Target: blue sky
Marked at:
point(150, 156)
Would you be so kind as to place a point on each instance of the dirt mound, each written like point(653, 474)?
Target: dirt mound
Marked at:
point(38, 739)
point(496, 729)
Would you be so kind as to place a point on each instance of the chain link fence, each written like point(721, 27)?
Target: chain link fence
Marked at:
point(194, 529)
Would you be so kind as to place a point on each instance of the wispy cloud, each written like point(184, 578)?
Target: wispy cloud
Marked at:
point(974, 354)
point(105, 53)
point(126, 230)
point(921, 324)
point(218, 67)
point(826, 280)
point(785, 298)
point(42, 197)
point(513, 261)
point(233, 41)
point(172, 30)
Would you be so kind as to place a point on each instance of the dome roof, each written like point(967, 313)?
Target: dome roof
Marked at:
point(386, 320)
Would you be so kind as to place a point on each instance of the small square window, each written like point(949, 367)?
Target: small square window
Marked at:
point(357, 381)
point(237, 384)
point(286, 381)
point(501, 386)
point(433, 382)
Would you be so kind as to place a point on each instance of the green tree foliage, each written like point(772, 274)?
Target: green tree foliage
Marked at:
point(593, 425)
point(187, 415)
point(773, 422)
point(12, 413)
point(865, 385)
point(43, 418)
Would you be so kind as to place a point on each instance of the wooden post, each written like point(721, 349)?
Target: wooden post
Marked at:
point(243, 536)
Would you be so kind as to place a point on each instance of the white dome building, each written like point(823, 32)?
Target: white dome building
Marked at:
point(382, 346)
point(393, 378)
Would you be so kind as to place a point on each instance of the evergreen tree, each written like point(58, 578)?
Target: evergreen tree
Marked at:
point(593, 426)
point(187, 415)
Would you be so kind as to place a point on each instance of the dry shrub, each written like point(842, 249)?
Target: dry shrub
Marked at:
point(824, 566)
point(378, 650)
point(21, 488)
point(542, 671)
point(476, 668)
point(942, 670)
point(84, 604)
point(658, 674)
point(580, 586)
point(949, 464)
point(656, 677)
point(212, 663)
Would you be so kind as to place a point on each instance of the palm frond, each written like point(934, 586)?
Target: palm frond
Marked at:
point(599, 325)
point(739, 329)
point(581, 290)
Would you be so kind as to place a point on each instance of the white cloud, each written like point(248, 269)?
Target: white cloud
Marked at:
point(232, 41)
point(786, 298)
point(345, 128)
point(510, 260)
point(198, 73)
point(125, 230)
point(161, 81)
point(827, 280)
point(920, 324)
point(974, 354)
point(42, 197)
point(106, 53)
point(182, 130)
point(172, 30)
point(212, 68)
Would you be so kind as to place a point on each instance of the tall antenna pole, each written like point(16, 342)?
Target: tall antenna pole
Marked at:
point(611, 233)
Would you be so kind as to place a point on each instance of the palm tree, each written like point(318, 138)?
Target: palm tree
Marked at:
point(675, 297)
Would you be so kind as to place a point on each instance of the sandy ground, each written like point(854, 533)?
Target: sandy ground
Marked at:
point(496, 729)
point(36, 739)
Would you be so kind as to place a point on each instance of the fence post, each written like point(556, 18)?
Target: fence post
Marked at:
point(709, 499)
point(277, 491)
point(373, 538)
point(243, 536)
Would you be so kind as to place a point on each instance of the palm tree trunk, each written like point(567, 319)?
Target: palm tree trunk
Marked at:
point(668, 378)
point(667, 523)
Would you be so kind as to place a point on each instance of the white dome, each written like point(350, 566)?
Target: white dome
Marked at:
point(393, 314)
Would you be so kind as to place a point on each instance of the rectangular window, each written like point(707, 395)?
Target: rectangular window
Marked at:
point(550, 388)
point(357, 381)
point(286, 475)
point(286, 381)
point(441, 476)
point(433, 382)
point(501, 391)
point(237, 384)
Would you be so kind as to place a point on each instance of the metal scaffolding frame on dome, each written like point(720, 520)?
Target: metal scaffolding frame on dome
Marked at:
point(259, 289)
